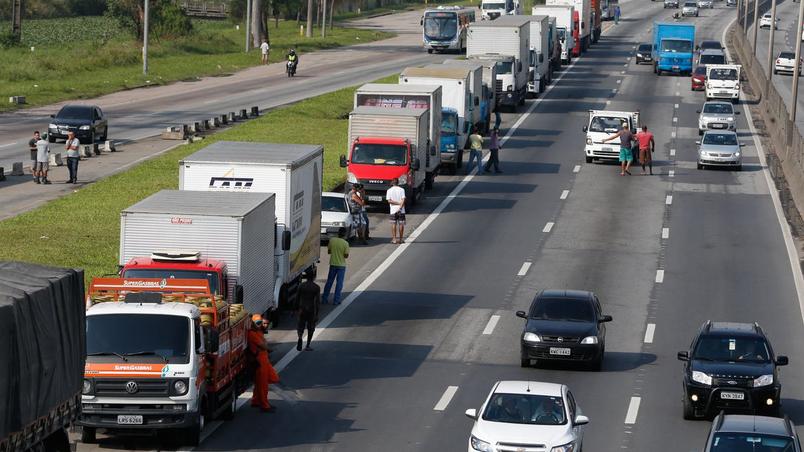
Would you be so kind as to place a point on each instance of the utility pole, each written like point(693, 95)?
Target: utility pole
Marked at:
point(309, 32)
point(16, 20)
point(770, 46)
point(145, 39)
point(745, 16)
point(756, 23)
point(796, 63)
point(248, 25)
point(324, 18)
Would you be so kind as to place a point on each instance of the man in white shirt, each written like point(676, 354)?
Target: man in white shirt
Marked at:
point(265, 49)
point(396, 200)
point(42, 161)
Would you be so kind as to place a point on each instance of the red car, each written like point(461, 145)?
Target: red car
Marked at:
point(698, 81)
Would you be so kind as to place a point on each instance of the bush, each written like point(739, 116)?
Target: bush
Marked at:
point(169, 20)
point(8, 40)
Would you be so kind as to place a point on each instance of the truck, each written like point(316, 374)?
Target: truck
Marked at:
point(294, 174)
point(387, 144)
point(42, 332)
point(164, 355)
point(507, 36)
point(492, 9)
point(673, 46)
point(603, 124)
point(554, 45)
point(723, 82)
point(444, 28)
point(539, 54)
point(480, 88)
point(582, 18)
point(597, 20)
point(565, 28)
point(406, 95)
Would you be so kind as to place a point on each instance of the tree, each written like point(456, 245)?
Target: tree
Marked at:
point(258, 32)
point(167, 18)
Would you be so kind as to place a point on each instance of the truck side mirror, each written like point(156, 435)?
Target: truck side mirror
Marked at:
point(286, 240)
point(541, 58)
point(415, 164)
point(477, 101)
point(211, 340)
point(585, 129)
point(519, 66)
point(344, 163)
point(238, 294)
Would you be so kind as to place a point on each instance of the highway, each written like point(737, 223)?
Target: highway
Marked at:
point(429, 326)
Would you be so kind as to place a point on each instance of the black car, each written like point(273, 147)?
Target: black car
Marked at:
point(731, 366)
point(87, 121)
point(737, 432)
point(566, 325)
point(709, 45)
point(644, 53)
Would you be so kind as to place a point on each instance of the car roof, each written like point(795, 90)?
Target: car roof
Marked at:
point(745, 423)
point(718, 102)
point(529, 387)
point(734, 328)
point(712, 52)
point(563, 293)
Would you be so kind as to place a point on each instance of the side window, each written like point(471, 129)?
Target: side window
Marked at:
point(571, 406)
point(598, 307)
point(198, 338)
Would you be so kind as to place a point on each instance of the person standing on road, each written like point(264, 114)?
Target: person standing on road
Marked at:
point(364, 211)
point(396, 200)
point(309, 299)
point(33, 149)
point(616, 14)
point(265, 49)
point(71, 146)
point(42, 161)
point(475, 151)
point(338, 249)
point(494, 152)
point(626, 154)
point(646, 147)
point(264, 373)
point(356, 206)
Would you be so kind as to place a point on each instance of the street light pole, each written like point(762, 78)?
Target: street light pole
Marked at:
point(756, 28)
point(745, 17)
point(145, 39)
point(248, 25)
point(796, 63)
point(324, 18)
point(770, 45)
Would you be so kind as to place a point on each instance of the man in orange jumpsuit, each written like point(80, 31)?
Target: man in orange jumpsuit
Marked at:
point(265, 372)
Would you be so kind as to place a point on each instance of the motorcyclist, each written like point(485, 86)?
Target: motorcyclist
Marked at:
point(293, 59)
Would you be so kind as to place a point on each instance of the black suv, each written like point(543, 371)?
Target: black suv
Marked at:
point(565, 325)
point(731, 366)
point(736, 432)
point(87, 121)
point(644, 53)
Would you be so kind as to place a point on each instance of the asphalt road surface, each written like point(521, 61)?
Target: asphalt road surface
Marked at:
point(664, 253)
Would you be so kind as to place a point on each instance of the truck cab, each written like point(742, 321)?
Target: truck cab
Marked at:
point(375, 161)
point(673, 48)
point(492, 9)
point(602, 124)
point(176, 264)
point(451, 148)
point(723, 82)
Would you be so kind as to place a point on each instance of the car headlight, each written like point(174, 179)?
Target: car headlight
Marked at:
point(763, 380)
point(351, 178)
point(339, 224)
point(531, 337)
point(86, 388)
point(730, 119)
point(509, 88)
point(403, 179)
point(479, 444)
point(589, 340)
point(451, 147)
point(52, 126)
point(736, 86)
point(569, 447)
point(180, 387)
point(589, 141)
point(701, 378)
point(85, 127)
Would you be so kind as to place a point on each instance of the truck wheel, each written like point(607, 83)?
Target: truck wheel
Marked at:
point(689, 411)
point(192, 434)
point(88, 435)
point(229, 413)
point(429, 50)
point(58, 441)
point(428, 181)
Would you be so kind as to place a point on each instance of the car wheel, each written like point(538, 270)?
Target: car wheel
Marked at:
point(51, 138)
point(590, 159)
point(689, 410)
point(88, 435)
point(738, 168)
point(105, 135)
point(524, 362)
point(700, 132)
point(700, 166)
point(597, 365)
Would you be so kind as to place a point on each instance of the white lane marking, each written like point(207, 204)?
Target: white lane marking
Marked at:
point(8, 144)
point(622, 72)
point(548, 227)
point(576, 169)
point(665, 233)
point(659, 276)
point(619, 81)
point(524, 269)
point(614, 91)
point(668, 200)
point(626, 64)
point(671, 173)
point(673, 134)
point(675, 106)
point(633, 410)
point(608, 102)
point(649, 333)
point(445, 398)
point(564, 194)
point(490, 326)
point(672, 152)
point(675, 119)
point(678, 93)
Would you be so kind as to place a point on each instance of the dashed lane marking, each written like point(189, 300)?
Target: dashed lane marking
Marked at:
point(548, 227)
point(659, 276)
point(490, 326)
point(524, 269)
point(576, 169)
point(668, 200)
point(672, 152)
point(443, 402)
point(649, 333)
point(665, 233)
point(564, 194)
point(671, 173)
point(633, 410)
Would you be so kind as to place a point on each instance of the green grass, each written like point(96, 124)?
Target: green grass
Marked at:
point(99, 58)
point(83, 229)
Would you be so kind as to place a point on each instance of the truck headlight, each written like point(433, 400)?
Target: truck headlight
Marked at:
point(531, 337)
point(450, 146)
point(589, 141)
point(84, 127)
point(351, 178)
point(730, 119)
point(86, 388)
point(701, 378)
point(589, 340)
point(403, 179)
point(736, 86)
point(509, 88)
point(179, 387)
point(763, 380)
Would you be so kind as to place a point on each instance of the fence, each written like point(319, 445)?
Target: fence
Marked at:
point(209, 10)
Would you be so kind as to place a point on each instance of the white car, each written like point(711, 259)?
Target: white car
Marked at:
point(706, 4)
point(527, 415)
point(767, 20)
point(689, 9)
point(335, 214)
point(717, 115)
point(785, 62)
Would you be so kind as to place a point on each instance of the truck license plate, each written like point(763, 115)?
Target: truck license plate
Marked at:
point(375, 198)
point(732, 395)
point(675, 68)
point(559, 351)
point(128, 419)
point(323, 230)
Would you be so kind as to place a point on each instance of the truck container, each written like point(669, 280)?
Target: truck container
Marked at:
point(479, 89)
point(167, 354)
point(293, 173)
point(224, 238)
point(723, 82)
point(673, 46)
point(444, 28)
point(565, 28)
point(506, 36)
point(554, 44)
point(597, 21)
point(539, 54)
point(492, 9)
point(584, 21)
point(409, 96)
point(601, 125)
point(42, 353)
point(387, 144)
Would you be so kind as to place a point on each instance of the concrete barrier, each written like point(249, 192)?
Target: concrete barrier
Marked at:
point(109, 146)
point(206, 124)
point(17, 100)
point(244, 114)
point(215, 121)
point(232, 116)
point(2, 174)
point(255, 111)
point(55, 159)
point(175, 133)
point(224, 119)
point(85, 151)
point(16, 169)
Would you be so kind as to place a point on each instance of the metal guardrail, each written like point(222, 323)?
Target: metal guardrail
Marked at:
point(210, 10)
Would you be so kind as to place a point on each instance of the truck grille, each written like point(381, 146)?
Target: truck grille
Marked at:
point(144, 387)
point(498, 88)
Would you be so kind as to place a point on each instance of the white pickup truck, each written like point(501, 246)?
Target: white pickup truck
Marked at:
point(603, 124)
point(723, 82)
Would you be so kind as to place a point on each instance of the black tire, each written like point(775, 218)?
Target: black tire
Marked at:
point(700, 132)
point(596, 365)
point(58, 441)
point(230, 411)
point(428, 181)
point(429, 50)
point(524, 362)
point(51, 138)
point(688, 410)
point(192, 434)
point(700, 167)
point(738, 168)
point(590, 159)
point(105, 135)
point(89, 435)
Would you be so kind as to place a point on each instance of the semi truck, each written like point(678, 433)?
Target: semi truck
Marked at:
point(42, 355)
point(479, 88)
point(582, 18)
point(294, 174)
point(723, 82)
point(554, 46)
point(507, 36)
point(387, 144)
point(673, 46)
point(539, 54)
point(602, 124)
point(565, 28)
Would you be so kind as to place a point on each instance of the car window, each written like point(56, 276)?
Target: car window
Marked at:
point(722, 139)
point(710, 45)
point(718, 109)
point(700, 70)
point(731, 348)
point(525, 409)
point(723, 74)
point(690, 4)
point(645, 48)
point(608, 124)
point(571, 406)
point(751, 442)
point(74, 112)
point(713, 59)
point(789, 55)
point(563, 309)
point(333, 204)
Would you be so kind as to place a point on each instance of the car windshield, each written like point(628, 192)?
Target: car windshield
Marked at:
point(700, 70)
point(75, 112)
point(607, 124)
point(449, 123)
point(691, 5)
point(379, 154)
point(333, 204)
point(505, 67)
point(712, 59)
point(711, 45)
point(721, 139)
point(724, 109)
point(440, 25)
point(751, 442)
point(160, 273)
point(723, 74)
point(728, 348)
point(676, 46)
point(644, 48)
point(525, 409)
point(788, 55)
point(165, 336)
point(563, 309)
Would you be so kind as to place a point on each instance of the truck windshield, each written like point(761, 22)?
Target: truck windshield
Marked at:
point(608, 124)
point(149, 336)
point(138, 273)
point(493, 5)
point(379, 154)
point(676, 46)
point(440, 26)
point(449, 124)
point(505, 67)
point(723, 74)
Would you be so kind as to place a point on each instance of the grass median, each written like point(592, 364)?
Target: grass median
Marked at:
point(83, 229)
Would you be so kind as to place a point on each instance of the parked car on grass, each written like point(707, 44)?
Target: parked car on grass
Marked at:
point(87, 121)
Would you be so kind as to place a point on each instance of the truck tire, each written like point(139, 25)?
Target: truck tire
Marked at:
point(89, 435)
point(58, 441)
point(229, 413)
point(192, 434)
point(428, 181)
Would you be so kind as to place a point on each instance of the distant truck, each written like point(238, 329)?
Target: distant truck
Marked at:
point(603, 124)
point(492, 9)
point(582, 18)
point(42, 332)
point(480, 89)
point(539, 54)
point(294, 173)
point(444, 28)
point(554, 44)
point(565, 27)
point(387, 144)
point(673, 46)
point(507, 36)
point(723, 82)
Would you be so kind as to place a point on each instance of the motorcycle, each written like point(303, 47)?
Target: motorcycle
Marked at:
point(290, 68)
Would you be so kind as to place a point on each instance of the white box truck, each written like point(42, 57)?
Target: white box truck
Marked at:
point(507, 36)
point(723, 82)
point(478, 88)
point(584, 9)
point(293, 173)
point(226, 239)
point(603, 124)
point(539, 53)
point(564, 27)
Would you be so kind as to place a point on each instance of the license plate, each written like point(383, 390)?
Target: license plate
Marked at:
point(724, 92)
point(560, 351)
point(732, 395)
point(607, 149)
point(375, 198)
point(718, 126)
point(323, 230)
point(127, 419)
point(675, 68)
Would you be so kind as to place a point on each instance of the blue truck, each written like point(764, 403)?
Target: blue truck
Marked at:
point(673, 46)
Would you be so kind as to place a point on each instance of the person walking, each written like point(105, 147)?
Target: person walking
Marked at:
point(264, 374)
point(626, 154)
point(309, 299)
point(364, 211)
point(494, 152)
point(71, 146)
point(396, 201)
point(265, 50)
point(646, 147)
point(356, 206)
point(338, 249)
point(616, 14)
point(475, 151)
point(33, 149)
point(42, 161)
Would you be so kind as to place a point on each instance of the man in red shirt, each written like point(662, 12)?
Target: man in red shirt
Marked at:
point(646, 147)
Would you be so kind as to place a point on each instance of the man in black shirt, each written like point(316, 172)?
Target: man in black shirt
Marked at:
point(32, 148)
point(309, 299)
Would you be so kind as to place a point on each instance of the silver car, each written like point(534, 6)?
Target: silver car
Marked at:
point(720, 149)
point(717, 115)
point(689, 9)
